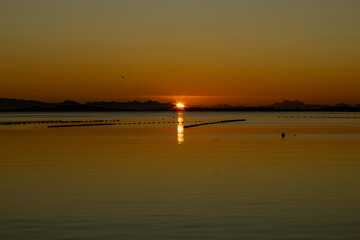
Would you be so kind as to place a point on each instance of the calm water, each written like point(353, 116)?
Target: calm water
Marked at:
point(160, 181)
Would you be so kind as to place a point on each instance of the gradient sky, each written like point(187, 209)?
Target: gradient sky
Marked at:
point(201, 51)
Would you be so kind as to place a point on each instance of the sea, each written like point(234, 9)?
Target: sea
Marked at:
point(172, 175)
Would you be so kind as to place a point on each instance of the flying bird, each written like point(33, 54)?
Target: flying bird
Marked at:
point(123, 77)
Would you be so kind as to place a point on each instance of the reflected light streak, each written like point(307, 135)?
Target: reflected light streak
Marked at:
point(180, 128)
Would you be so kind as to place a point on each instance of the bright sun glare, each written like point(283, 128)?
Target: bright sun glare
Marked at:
point(180, 105)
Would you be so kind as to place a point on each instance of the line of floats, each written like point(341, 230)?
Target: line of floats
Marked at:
point(325, 117)
point(75, 123)
point(65, 123)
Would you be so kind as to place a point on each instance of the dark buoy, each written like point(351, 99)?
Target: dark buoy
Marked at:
point(283, 135)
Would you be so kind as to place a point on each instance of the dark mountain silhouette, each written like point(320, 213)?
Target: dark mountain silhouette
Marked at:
point(18, 105)
point(222, 106)
point(134, 105)
point(7, 104)
point(342, 105)
point(297, 105)
point(68, 102)
point(287, 104)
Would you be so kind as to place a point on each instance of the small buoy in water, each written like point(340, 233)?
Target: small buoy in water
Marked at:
point(283, 135)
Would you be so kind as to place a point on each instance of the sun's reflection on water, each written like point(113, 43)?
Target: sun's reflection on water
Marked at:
point(180, 128)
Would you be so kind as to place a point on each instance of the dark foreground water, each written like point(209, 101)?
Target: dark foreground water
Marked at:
point(160, 181)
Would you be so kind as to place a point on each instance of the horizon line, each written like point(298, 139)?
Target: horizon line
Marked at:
point(194, 105)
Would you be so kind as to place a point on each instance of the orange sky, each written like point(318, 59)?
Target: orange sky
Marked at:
point(203, 52)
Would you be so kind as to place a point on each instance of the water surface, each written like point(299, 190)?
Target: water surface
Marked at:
point(230, 181)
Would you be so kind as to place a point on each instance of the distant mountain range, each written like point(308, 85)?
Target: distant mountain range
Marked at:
point(298, 105)
point(7, 104)
point(19, 105)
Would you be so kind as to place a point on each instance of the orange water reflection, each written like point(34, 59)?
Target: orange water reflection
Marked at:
point(180, 128)
point(228, 178)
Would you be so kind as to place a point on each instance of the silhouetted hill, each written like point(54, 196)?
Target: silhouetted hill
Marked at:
point(62, 108)
point(298, 105)
point(222, 106)
point(342, 105)
point(287, 104)
point(68, 103)
point(134, 105)
point(7, 104)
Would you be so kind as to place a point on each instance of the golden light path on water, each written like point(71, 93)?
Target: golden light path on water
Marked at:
point(180, 127)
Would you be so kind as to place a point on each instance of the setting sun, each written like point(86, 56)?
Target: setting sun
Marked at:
point(180, 105)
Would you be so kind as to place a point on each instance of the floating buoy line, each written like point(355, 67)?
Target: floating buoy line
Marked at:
point(97, 122)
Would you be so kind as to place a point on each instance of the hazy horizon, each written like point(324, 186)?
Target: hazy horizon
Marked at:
point(143, 100)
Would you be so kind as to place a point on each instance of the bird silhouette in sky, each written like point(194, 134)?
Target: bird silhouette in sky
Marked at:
point(123, 77)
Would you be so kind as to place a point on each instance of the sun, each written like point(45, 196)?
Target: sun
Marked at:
point(180, 105)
